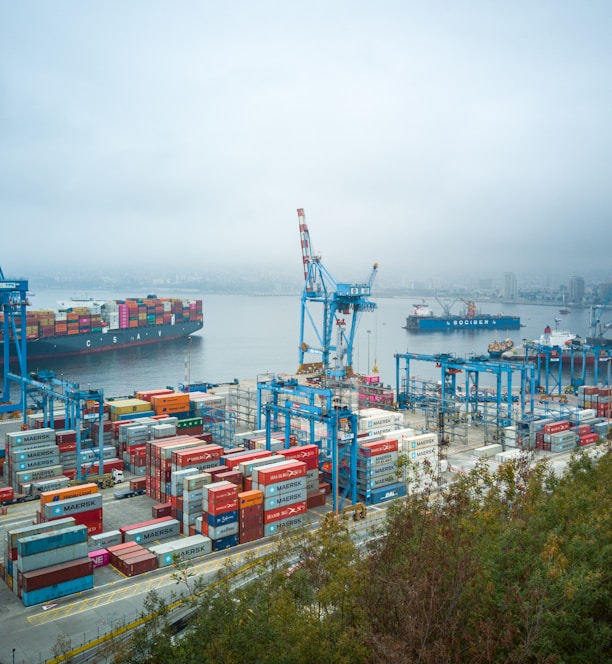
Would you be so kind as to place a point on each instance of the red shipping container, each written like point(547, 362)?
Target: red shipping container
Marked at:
point(220, 492)
point(139, 565)
point(250, 535)
point(215, 470)
point(556, 427)
point(66, 447)
point(163, 509)
point(137, 483)
point(228, 505)
point(66, 436)
point(309, 454)
point(6, 493)
point(285, 512)
point(289, 470)
point(51, 576)
point(316, 499)
point(588, 439)
point(233, 460)
point(233, 476)
point(197, 455)
point(377, 447)
point(251, 521)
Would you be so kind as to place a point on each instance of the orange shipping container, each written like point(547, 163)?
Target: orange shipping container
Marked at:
point(68, 492)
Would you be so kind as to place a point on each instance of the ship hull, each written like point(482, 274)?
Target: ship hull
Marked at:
point(460, 323)
point(99, 342)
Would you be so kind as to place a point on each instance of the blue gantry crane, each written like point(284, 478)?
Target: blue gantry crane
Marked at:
point(342, 305)
point(316, 405)
point(13, 301)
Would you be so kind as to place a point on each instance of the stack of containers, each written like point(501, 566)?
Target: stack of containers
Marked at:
point(159, 463)
point(191, 426)
point(247, 464)
point(31, 456)
point(283, 486)
point(250, 516)
point(421, 449)
point(181, 550)
point(377, 479)
point(131, 558)
point(207, 406)
point(123, 409)
point(559, 436)
point(146, 395)
point(53, 565)
point(219, 519)
point(417, 447)
point(316, 491)
point(13, 537)
point(134, 447)
point(185, 463)
point(176, 403)
point(83, 503)
point(193, 495)
point(588, 396)
point(377, 421)
point(604, 402)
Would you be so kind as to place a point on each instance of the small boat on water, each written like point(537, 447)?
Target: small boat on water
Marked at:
point(564, 311)
point(496, 348)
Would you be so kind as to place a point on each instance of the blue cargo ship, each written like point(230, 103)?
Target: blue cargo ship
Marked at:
point(423, 319)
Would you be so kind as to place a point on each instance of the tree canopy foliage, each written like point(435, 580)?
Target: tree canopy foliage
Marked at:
point(513, 565)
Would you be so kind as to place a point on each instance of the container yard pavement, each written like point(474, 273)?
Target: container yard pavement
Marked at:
point(117, 601)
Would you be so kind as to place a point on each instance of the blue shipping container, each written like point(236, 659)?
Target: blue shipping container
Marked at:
point(215, 520)
point(225, 543)
point(59, 590)
point(28, 546)
point(387, 493)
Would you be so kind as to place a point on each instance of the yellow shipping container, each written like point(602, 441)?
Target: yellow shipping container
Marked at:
point(126, 406)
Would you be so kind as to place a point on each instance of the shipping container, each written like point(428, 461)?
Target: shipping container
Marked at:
point(187, 548)
point(56, 574)
point(61, 590)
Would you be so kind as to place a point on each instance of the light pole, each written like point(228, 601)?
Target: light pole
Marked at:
point(368, 368)
point(13, 655)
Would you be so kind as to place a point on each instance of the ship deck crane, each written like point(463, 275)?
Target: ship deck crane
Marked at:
point(13, 301)
point(342, 305)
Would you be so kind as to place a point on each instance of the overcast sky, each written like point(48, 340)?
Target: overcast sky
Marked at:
point(431, 137)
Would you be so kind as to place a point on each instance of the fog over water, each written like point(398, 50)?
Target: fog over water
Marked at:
point(436, 138)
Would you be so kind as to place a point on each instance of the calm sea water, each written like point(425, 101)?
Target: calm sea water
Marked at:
point(246, 336)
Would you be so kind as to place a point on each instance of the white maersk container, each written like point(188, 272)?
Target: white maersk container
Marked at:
point(183, 549)
point(488, 451)
point(408, 440)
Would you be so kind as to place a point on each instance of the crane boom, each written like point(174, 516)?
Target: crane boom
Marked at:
point(341, 302)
